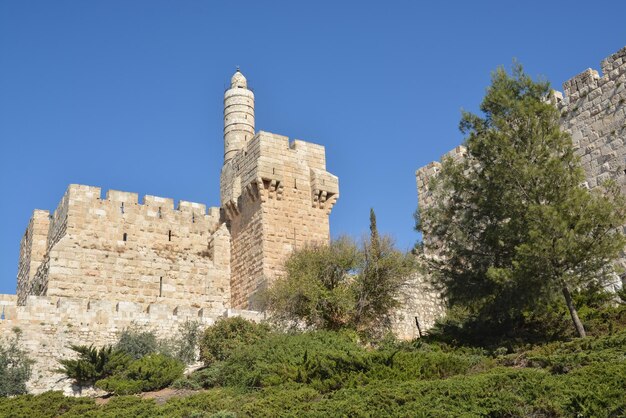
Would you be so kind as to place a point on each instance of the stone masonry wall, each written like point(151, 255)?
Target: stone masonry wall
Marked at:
point(117, 249)
point(593, 111)
point(276, 197)
point(49, 325)
point(419, 301)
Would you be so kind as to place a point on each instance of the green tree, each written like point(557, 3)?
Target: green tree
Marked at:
point(94, 363)
point(382, 275)
point(316, 287)
point(137, 341)
point(151, 372)
point(15, 365)
point(512, 226)
point(227, 335)
point(342, 285)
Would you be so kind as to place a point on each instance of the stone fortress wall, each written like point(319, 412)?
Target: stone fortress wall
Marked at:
point(593, 111)
point(116, 248)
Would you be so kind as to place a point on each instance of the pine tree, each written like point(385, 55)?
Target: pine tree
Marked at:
point(512, 225)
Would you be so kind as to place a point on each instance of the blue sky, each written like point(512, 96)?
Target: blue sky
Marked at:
point(127, 95)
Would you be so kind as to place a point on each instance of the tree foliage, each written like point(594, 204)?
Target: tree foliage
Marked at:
point(151, 372)
point(342, 285)
point(15, 365)
point(228, 334)
point(512, 226)
point(94, 363)
point(137, 341)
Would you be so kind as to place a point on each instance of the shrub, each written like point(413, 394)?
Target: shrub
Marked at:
point(137, 342)
point(152, 372)
point(228, 334)
point(322, 359)
point(93, 364)
point(342, 285)
point(184, 346)
point(15, 365)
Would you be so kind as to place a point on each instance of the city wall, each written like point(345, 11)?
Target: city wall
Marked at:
point(49, 325)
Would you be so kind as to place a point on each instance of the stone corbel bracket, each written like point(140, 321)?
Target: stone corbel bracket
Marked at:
point(232, 209)
point(265, 180)
point(269, 189)
point(324, 189)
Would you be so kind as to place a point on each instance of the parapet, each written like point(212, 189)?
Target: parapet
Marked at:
point(55, 309)
point(78, 194)
point(270, 163)
point(579, 86)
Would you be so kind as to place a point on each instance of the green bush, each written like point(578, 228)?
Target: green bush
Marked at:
point(323, 359)
point(93, 364)
point(342, 285)
point(152, 372)
point(184, 345)
point(137, 342)
point(226, 335)
point(15, 365)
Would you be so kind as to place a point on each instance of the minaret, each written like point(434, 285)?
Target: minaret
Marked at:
point(238, 115)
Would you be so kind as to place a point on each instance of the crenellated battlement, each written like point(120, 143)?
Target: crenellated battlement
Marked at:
point(589, 81)
point(115, 247)
point(268, 163)
point(78, 193)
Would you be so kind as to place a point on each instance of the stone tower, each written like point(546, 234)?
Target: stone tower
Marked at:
point(276, 195)
point(238, 115)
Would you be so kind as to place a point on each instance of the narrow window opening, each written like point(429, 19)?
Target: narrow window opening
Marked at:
point(125, 236)
point(295, 183)
point(160, 214)
point(169, 235)
point(193, 218)
point(122, 208)
point(160, 286)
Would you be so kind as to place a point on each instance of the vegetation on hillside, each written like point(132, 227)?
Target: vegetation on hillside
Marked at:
point(138, 362)
point(328, 373)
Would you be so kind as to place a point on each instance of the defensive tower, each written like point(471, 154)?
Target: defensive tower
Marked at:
point(275, 195)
